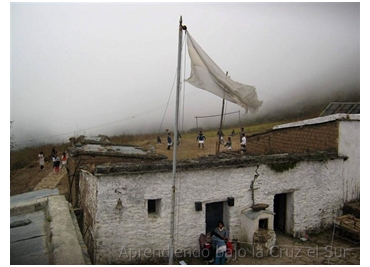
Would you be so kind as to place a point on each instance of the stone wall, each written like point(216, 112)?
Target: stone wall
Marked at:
point(349, 145)
point(307, 138)
point(316, 189)
point(88, 203)
point(132, 235)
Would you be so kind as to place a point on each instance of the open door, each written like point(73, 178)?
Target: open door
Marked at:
point(280, 212)
point(214, 214)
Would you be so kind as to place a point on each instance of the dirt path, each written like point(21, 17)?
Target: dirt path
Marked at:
point(32, 178)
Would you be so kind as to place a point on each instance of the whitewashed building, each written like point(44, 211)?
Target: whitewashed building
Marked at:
point(124, 194)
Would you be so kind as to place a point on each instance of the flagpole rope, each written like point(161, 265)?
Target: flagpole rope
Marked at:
point(169, 97)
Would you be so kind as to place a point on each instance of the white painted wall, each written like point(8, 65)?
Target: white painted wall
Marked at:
point(88, 194)
point(349, 145)
point(251, 225)
point(317, 191)
point(316, 196)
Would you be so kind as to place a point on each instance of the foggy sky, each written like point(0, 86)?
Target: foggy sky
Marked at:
point(108, 68)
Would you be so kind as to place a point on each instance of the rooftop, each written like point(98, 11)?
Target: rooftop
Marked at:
point(342, 107)
point(222, 160)
point(43, 230)
point(328, 118)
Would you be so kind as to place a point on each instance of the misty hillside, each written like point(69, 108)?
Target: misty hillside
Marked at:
point(305, 106)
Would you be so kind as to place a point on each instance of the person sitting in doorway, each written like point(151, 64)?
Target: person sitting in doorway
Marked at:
point(219, 246)
point(221, 231)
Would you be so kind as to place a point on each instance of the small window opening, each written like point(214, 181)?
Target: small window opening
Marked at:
point(154, 206)
point(151, 206)
point(263, 223)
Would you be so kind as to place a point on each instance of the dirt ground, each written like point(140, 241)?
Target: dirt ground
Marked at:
point(320, 249)
point(24, 180)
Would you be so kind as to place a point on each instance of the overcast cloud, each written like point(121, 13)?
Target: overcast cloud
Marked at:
point(108, 68)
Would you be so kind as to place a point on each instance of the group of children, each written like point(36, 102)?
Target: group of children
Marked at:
point(228, 144)
point(58, 163)
point(201, 138)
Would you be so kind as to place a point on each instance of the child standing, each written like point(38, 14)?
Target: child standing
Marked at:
point(64, 160)
point(243, 143)
point(56, 163)
point(41, 160)
point(169, 141)
point(201, 138)
point(228, 143)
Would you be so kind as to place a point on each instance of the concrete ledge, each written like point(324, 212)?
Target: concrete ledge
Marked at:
point(29, 207)
point(65, 248)
point(30, 202)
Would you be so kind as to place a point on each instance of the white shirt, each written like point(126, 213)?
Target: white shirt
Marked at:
point(244, 141)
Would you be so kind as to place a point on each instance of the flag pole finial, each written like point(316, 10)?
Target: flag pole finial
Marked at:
point(182, 27)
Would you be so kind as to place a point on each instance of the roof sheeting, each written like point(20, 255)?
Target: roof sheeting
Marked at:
point(353, 117)
point(341, 107)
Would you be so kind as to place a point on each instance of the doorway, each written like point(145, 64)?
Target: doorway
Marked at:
point(214, 214)
point(280, 212)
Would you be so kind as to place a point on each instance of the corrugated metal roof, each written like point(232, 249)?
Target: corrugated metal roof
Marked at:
point(317, 120)
point(341, 107)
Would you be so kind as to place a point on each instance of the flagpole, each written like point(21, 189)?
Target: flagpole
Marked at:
point(222, 116)
point(172, 226)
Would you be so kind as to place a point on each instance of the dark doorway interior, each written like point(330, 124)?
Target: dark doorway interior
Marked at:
point(263, 224)
point(280, 212)
point(214, 214)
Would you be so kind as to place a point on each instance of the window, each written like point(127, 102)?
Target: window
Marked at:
point(263, 224)
point(154, 206)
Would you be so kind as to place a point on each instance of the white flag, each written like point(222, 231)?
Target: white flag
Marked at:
point(205, 74)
